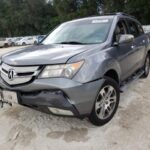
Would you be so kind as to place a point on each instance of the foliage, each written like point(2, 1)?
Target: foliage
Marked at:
point(32, 17)
point(139, 8)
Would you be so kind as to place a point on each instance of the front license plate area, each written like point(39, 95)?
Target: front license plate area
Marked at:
point(9, 96)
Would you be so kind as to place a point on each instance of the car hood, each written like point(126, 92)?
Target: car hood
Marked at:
point(44, 54)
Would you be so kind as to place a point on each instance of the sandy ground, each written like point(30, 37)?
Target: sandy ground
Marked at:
point(22, 128)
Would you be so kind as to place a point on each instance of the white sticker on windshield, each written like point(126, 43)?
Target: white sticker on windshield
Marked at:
point(100, 21)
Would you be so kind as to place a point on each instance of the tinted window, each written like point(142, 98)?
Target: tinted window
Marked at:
point(133, 29)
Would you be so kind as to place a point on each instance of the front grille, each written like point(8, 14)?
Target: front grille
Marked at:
point(18, 75)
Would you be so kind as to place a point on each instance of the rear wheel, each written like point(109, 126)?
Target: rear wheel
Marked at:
point(146, 67)
point(106, 103)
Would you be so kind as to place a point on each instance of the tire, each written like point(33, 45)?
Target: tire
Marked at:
point(146, 67)
point(5, 45)
point(23, 44)
point(35, 42)
point(12, 44)
point(99, 108)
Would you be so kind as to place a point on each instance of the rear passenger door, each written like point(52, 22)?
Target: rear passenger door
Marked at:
point(138, 46)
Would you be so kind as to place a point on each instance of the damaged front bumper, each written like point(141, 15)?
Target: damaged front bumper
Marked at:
point(59, 96)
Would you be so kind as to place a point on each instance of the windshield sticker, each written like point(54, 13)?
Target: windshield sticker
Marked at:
point(100, 21)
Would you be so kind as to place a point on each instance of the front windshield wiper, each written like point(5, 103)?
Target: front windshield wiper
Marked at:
point(70, 42)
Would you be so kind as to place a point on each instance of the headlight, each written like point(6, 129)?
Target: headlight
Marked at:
point(67, 70)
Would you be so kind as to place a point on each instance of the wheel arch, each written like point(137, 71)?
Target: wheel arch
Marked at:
point(112, 73)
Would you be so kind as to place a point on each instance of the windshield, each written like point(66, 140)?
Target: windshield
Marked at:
point(80, 32)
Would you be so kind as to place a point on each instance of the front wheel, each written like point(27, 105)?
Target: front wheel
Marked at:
point(146, 67)
point(106, 103)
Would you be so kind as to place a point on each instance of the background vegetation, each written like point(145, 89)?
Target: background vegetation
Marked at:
point(32, 17)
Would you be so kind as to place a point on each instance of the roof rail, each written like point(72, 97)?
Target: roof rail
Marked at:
point(119, 13)
point(122, 13)
point(125, 14)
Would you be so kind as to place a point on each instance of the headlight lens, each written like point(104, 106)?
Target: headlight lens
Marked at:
point(67, 70)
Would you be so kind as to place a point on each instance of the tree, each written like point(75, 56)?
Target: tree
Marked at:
point(114, 6)
point(140, 9)
point(25, 17)
point(30, 17)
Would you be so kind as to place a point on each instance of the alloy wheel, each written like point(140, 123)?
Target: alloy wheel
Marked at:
point(106, 102)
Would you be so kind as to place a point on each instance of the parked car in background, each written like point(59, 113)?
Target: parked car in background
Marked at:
point(27, 41)
point(148, 33)
point(5, 42)
point(14, 40)
point(40, 38)
point(146, 28)
point(8, 42)
point(2, 42)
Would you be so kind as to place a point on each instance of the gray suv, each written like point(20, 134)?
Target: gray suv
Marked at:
point(79, 68)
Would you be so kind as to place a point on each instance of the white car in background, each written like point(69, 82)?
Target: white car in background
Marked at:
point(14, 40)
point(4, 42)
point(146, 28)
point(27, 41)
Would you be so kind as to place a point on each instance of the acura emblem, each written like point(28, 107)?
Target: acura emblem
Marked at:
point(11, 74)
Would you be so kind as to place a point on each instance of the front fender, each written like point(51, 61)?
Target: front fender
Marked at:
point(112, 64)
point(95, 66)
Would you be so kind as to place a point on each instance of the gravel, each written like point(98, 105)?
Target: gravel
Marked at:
point(22, 128)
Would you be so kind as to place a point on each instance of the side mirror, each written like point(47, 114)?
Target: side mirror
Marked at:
point(126, 38)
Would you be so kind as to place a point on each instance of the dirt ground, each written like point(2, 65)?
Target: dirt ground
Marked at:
point(22, 128)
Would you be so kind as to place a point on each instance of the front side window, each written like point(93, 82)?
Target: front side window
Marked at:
point(120, 29)
point(91, 31)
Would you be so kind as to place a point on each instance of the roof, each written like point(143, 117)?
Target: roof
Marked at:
point(119, 14)
point(104, 16)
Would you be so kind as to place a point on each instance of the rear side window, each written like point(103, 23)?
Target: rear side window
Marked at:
point(133, 28)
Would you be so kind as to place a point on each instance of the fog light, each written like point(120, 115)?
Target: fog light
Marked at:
point(58, 111)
